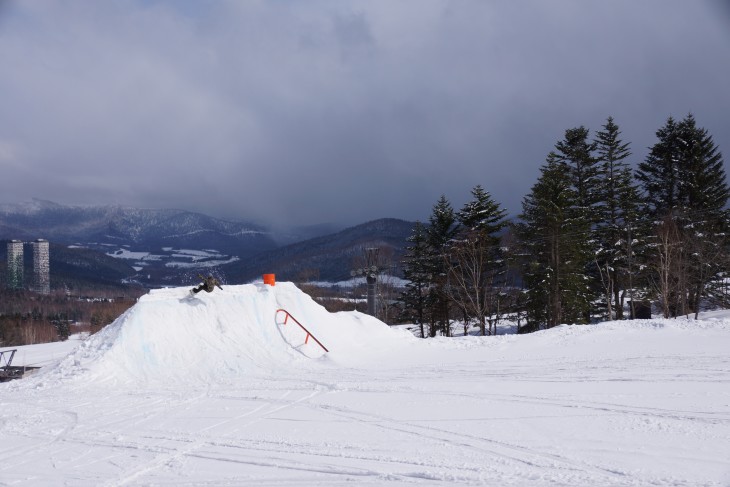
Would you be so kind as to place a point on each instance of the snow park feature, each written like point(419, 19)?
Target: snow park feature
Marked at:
point(7, 370)
point(282, 318)
point(215, 390)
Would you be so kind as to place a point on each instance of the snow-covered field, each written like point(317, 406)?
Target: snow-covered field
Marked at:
point(216, 390)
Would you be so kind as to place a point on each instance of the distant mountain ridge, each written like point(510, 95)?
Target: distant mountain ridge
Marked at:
point(329, 257)
point(170, 247)
point(161, 245)
point(122, 225)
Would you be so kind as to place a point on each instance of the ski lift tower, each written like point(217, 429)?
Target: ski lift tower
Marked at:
point(370, 272)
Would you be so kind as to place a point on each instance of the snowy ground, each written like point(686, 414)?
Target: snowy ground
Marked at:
point(212, 391)
point(177, 258)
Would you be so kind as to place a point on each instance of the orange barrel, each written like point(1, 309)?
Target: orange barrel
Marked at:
point(270, 279)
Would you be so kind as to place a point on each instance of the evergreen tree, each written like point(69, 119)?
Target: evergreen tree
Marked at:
point(575, 154)
point(440, 234)
point(479, 264)
point(703, 194)
point(482, 214)
point(702, 188)
point(659, 174)
point(617, 229)
point(417, 272)
point(553, 231)
point(685, 191)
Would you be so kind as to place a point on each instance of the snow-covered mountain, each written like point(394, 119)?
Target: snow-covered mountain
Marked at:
point(170, 247)
point(157, 242)
point(122, 225)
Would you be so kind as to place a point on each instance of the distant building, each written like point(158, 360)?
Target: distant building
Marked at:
point(41, 267)
point(15, 264)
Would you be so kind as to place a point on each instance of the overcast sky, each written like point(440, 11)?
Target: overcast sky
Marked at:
point(303, 112)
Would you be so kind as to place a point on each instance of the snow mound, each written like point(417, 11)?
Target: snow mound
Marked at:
point(172, 336)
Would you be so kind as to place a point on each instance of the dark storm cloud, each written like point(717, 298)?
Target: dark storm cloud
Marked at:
point(304, 112)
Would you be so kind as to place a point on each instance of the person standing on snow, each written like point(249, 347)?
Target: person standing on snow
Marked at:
point(209, 283)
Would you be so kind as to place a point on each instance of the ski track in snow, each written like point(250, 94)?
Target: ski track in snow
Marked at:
point(608, 405)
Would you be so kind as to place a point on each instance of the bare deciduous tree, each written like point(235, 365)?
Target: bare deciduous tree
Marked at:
point(472, 277)
point(668, 266)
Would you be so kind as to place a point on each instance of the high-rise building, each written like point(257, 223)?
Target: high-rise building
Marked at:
point(41, 267)
point(15, 264)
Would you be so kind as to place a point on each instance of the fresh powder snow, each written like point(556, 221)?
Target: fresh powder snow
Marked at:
point(226, 389)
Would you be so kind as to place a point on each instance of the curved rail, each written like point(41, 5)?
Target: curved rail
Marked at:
point(309, 334)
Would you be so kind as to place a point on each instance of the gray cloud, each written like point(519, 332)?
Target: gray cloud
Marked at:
point(294, 112)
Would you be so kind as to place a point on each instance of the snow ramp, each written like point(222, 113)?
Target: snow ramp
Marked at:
point(172, 336)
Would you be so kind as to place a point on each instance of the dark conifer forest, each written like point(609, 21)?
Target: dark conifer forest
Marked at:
point(600, 237)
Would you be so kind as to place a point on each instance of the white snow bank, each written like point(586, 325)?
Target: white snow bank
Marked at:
point(172, 336)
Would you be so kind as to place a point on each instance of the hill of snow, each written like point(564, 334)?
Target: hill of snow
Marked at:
point(170, 335)
point(216, 390)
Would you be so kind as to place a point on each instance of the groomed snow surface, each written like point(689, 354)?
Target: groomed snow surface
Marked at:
point(216, 390)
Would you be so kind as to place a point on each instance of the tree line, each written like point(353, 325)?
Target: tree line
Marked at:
point(595, 239)
point(28, 318)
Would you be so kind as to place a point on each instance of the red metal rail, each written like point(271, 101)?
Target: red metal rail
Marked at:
point(309, 334)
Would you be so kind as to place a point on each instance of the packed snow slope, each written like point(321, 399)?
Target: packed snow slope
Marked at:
point(216, 390)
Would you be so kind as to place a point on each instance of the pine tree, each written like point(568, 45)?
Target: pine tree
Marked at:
point(617, 229)
point(416, 271)
point(440, 233)
point(703, 194)
point(659, 174)
point(702, 187)
point(685, 190)
point(482, 214)
point(479, 264)
point(575, 154)
point(553, 231)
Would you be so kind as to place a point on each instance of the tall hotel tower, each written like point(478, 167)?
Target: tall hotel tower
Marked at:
point(15, 264)
point(41, 267)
